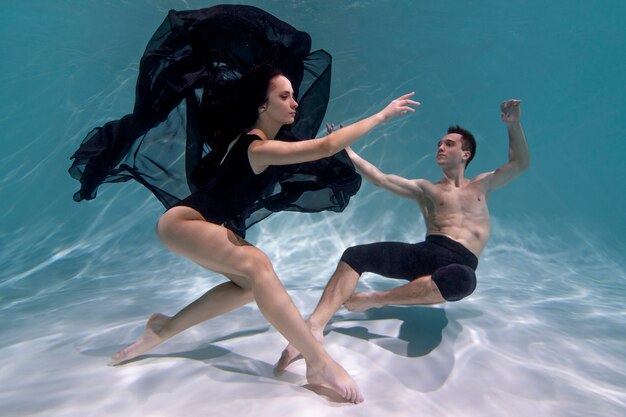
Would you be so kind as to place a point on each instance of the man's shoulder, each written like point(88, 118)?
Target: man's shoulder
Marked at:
point(481, 183)
point(482, 177)
point(422, 182)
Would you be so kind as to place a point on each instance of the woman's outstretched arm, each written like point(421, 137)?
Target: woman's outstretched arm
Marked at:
point(272, 152)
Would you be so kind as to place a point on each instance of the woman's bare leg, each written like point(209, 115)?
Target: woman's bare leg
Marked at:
point(215, 302)
point(184, 231)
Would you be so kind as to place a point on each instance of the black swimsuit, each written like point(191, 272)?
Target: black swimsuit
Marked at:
point(234, 188)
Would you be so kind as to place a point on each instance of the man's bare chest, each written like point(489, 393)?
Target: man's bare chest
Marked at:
point(467, 200)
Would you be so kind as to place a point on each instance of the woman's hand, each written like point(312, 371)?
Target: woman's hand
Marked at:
point(399, 106)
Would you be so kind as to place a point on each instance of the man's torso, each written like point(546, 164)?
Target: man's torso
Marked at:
point(459, 212)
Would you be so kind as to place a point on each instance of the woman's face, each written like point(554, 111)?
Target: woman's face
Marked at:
point(281, 104)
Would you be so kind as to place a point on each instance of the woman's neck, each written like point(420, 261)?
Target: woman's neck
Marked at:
point(265, 130)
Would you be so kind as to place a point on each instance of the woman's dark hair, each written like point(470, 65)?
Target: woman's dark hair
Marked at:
point(228, 107)
point(253, 88)
point(468, 143)
point(231, 105)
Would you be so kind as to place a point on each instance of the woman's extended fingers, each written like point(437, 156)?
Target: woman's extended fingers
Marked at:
point(403, 103)
point(406, 98)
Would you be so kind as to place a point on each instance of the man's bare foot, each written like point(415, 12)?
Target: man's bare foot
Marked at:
point(331, 375)
point(290, 354)
point(152, 336)
point(361, 301)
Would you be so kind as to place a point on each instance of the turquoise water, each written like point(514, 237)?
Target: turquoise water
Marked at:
point(542, 335)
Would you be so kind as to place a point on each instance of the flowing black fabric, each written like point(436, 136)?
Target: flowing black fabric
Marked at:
point(180, 127)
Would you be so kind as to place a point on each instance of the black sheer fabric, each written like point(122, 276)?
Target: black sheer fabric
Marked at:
point(179, 129)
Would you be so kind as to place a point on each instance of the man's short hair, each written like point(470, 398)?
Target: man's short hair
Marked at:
point(468, 143)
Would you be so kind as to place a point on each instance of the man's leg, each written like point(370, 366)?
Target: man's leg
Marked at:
point(421, 291)
point(399, 260)
point(449, 283)
point(339, 289)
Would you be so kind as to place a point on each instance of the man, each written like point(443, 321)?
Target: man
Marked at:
point(457, 222)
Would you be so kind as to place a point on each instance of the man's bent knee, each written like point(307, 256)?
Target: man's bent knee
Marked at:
point(353, 257)
point(455, 281)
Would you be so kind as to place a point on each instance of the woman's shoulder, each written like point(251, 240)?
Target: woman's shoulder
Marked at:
point(250, 136)
point(247, 140)
point(253, 135)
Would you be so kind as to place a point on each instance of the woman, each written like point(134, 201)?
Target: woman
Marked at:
point(235, 188)
point(193, 229)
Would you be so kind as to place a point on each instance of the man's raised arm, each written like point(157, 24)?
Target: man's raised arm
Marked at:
point(519, 156)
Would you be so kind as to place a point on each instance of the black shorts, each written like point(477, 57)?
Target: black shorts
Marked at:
point(450, 264)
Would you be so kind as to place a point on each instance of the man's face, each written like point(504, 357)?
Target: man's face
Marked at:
point(450, 152)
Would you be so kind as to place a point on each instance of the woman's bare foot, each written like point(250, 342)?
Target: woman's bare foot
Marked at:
point(152, 336)
point(361, 301)
point(290, 354)
point(331, 375)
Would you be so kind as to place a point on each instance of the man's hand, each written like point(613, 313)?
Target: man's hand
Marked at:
point(330, 127)
point(510, 111)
